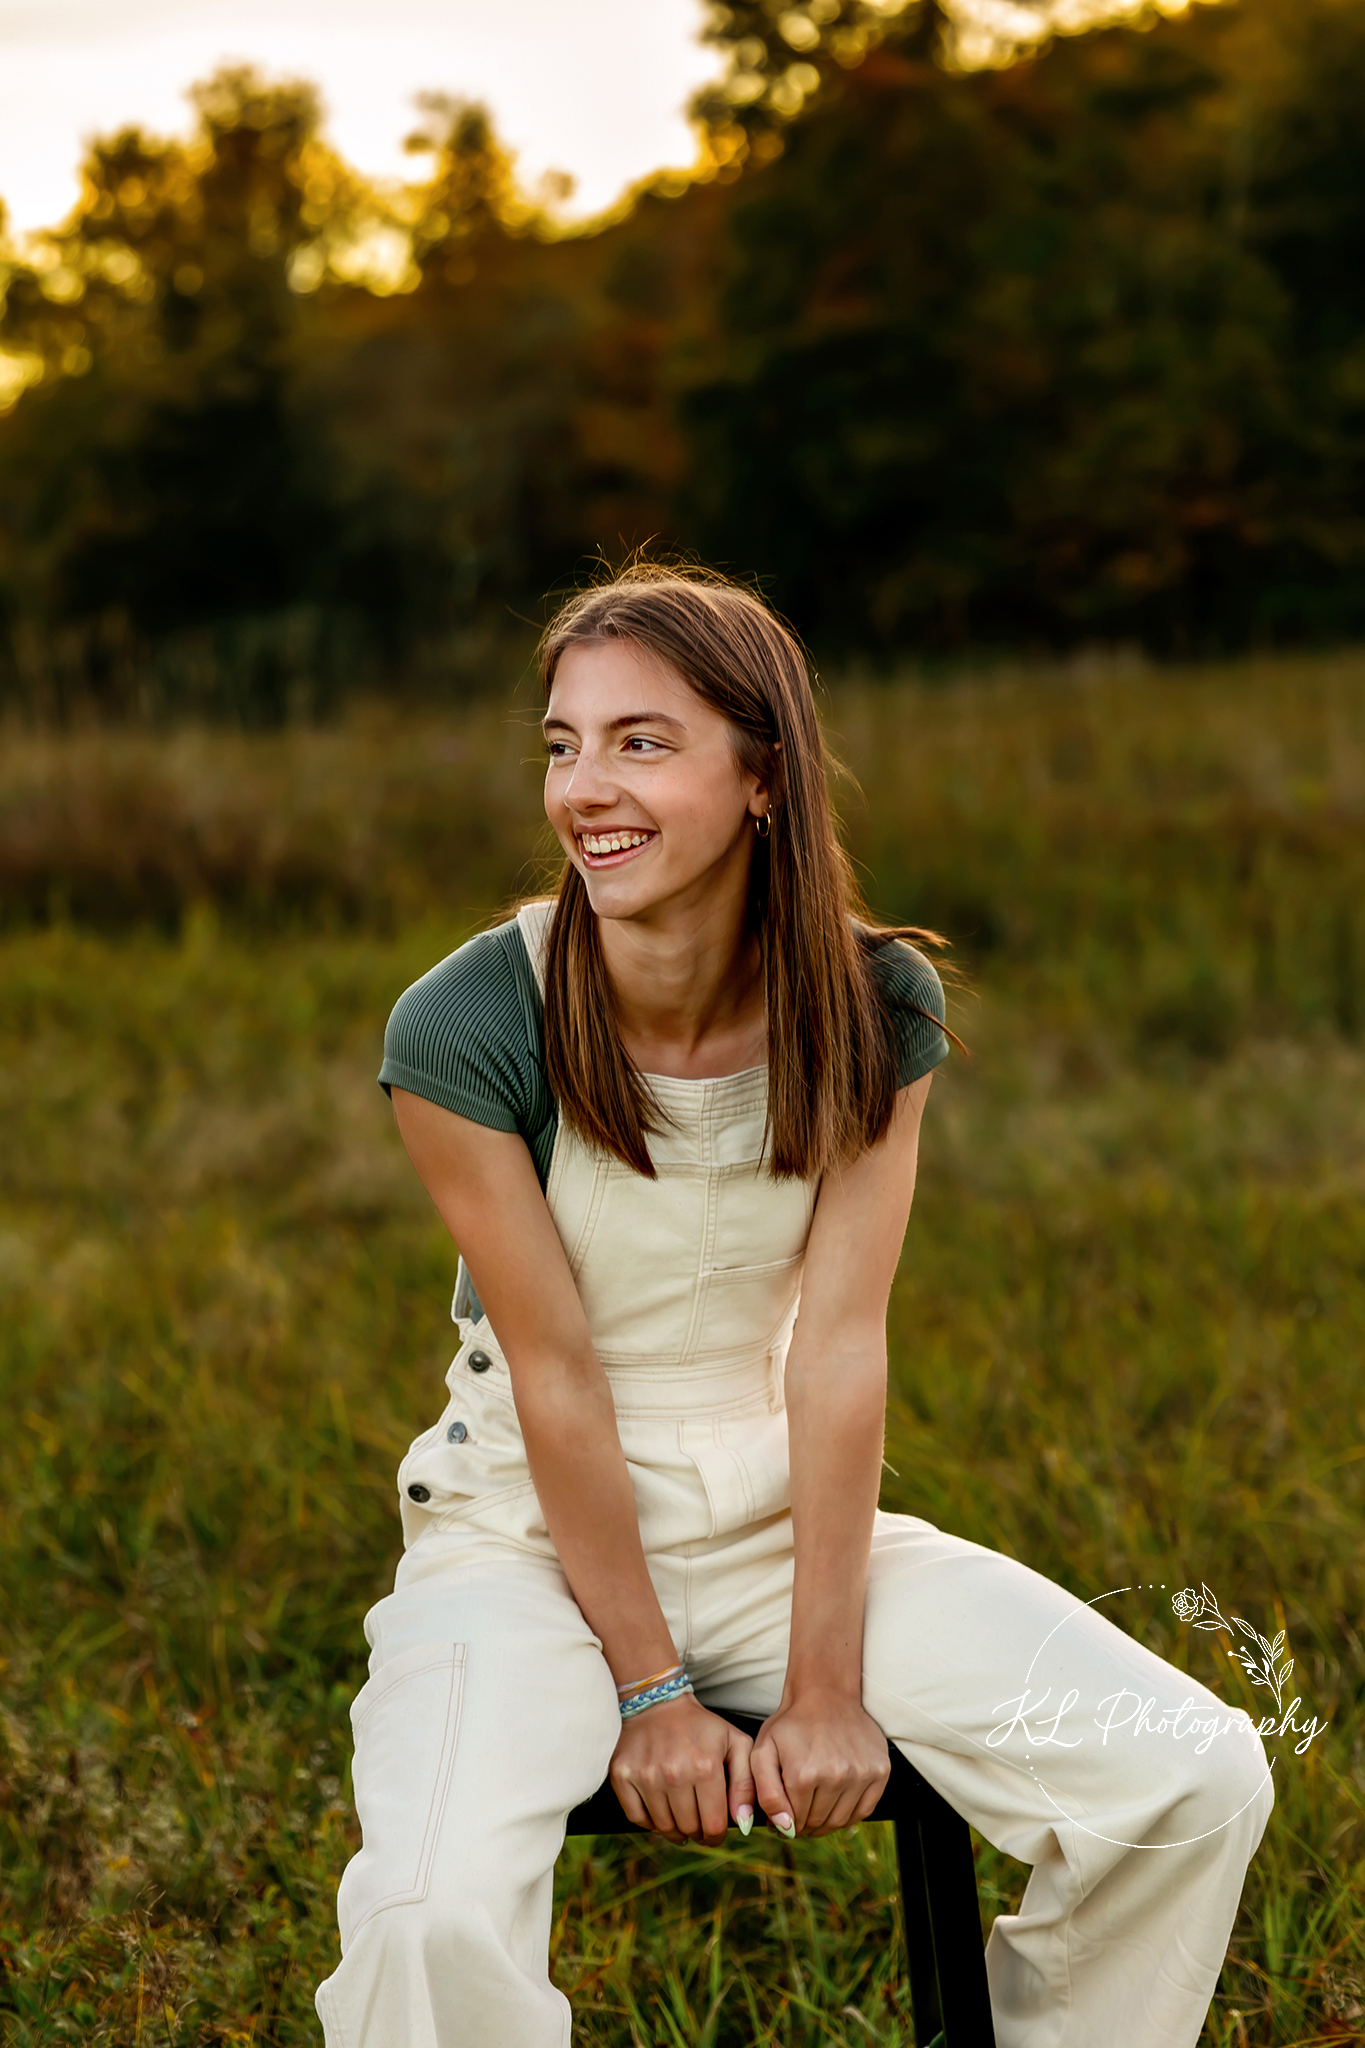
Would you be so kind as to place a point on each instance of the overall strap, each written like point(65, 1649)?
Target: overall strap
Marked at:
point(533, 922)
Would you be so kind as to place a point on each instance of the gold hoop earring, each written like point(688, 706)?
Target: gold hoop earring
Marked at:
point(763, 824)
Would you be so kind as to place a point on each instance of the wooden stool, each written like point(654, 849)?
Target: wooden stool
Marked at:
point(948, 1993)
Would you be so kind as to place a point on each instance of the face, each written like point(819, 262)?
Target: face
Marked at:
point(643, 787)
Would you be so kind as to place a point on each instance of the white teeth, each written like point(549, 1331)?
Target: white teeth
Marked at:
point(612, 842)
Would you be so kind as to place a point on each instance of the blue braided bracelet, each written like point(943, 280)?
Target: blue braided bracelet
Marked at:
point(670, 1688)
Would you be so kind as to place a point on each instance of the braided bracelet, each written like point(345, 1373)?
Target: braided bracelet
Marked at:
point(671, 1688)
point(623, 1692)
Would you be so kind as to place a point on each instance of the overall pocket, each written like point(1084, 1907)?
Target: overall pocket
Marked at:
point(745, 1465)
point(405, 1721)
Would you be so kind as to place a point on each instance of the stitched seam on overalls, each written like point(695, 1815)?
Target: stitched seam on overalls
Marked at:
point(708, 1229)
point(440, 1791)
point(331, 2018)
point(702, 1364)
point(742, 1471)
point(729, 1411)
point(761, 1269)
point(681, 1371)
point(600, 1177)
point(475, 1504)
point(471, 1390)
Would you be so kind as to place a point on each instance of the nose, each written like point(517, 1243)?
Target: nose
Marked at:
point(590, 787)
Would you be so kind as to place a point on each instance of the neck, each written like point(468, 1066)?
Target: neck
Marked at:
point(688, 983)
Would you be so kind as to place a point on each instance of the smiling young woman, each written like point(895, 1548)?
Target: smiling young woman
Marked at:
point(659, 1114)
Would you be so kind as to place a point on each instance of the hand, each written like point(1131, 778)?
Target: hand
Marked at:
point(819, 1763)
point(683, 1772)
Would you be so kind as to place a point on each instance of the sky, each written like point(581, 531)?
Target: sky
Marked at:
point(592, 87)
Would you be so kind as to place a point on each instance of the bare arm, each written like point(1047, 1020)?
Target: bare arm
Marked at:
point(485, 1189)
point(832, 1758)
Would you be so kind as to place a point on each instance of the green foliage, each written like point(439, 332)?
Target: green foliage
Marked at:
point(1054, 351)
point(1066, 349)
point(241, 479)
point(165, 325)
point(780, 56)
point(1125, 1338)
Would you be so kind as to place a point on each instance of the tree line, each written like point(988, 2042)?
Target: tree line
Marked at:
point(1068, 348)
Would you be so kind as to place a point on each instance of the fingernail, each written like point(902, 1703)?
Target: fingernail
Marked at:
point(745, 1817)
point(785, 1825)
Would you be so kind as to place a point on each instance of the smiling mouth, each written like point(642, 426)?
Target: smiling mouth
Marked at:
point(611, 849)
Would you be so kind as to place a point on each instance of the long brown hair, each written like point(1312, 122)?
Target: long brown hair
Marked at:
point(832, 1055)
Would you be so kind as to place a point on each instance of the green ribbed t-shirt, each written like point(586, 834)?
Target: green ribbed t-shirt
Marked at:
point(468, 1034)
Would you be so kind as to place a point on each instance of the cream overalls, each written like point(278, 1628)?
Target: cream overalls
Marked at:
point(490, 1711)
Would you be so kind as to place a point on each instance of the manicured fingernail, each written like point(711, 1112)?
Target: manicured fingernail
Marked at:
point(785, 1825)
point(745, 1817)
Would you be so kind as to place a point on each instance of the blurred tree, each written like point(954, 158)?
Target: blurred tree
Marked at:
point(512, 413)
point(1072, 346)
point(158, 468)
point(1013, 354)
point(779, 56)
point(271, 395)
point(450, 403)
point(1295, 197)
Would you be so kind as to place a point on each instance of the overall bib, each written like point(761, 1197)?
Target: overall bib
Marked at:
point(490, 1711)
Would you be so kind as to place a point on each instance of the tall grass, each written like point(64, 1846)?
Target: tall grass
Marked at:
point(1126, 1336)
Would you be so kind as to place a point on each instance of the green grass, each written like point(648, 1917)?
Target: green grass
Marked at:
point(1126, 1340)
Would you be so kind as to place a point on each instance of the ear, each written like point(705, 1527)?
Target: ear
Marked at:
point(761, 796)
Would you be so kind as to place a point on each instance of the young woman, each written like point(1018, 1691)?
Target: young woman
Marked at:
point(658, 1114)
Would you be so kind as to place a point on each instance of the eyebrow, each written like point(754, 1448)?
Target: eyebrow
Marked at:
point(619, 724)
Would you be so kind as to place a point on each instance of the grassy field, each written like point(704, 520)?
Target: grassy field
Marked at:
point(1126, 1339)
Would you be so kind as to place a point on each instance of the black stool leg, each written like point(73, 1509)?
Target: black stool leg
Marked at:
point(919, 1932)
point(954, 1924)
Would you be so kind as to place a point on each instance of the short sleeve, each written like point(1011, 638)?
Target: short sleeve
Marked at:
point(911, 988)
point(461, 1037)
